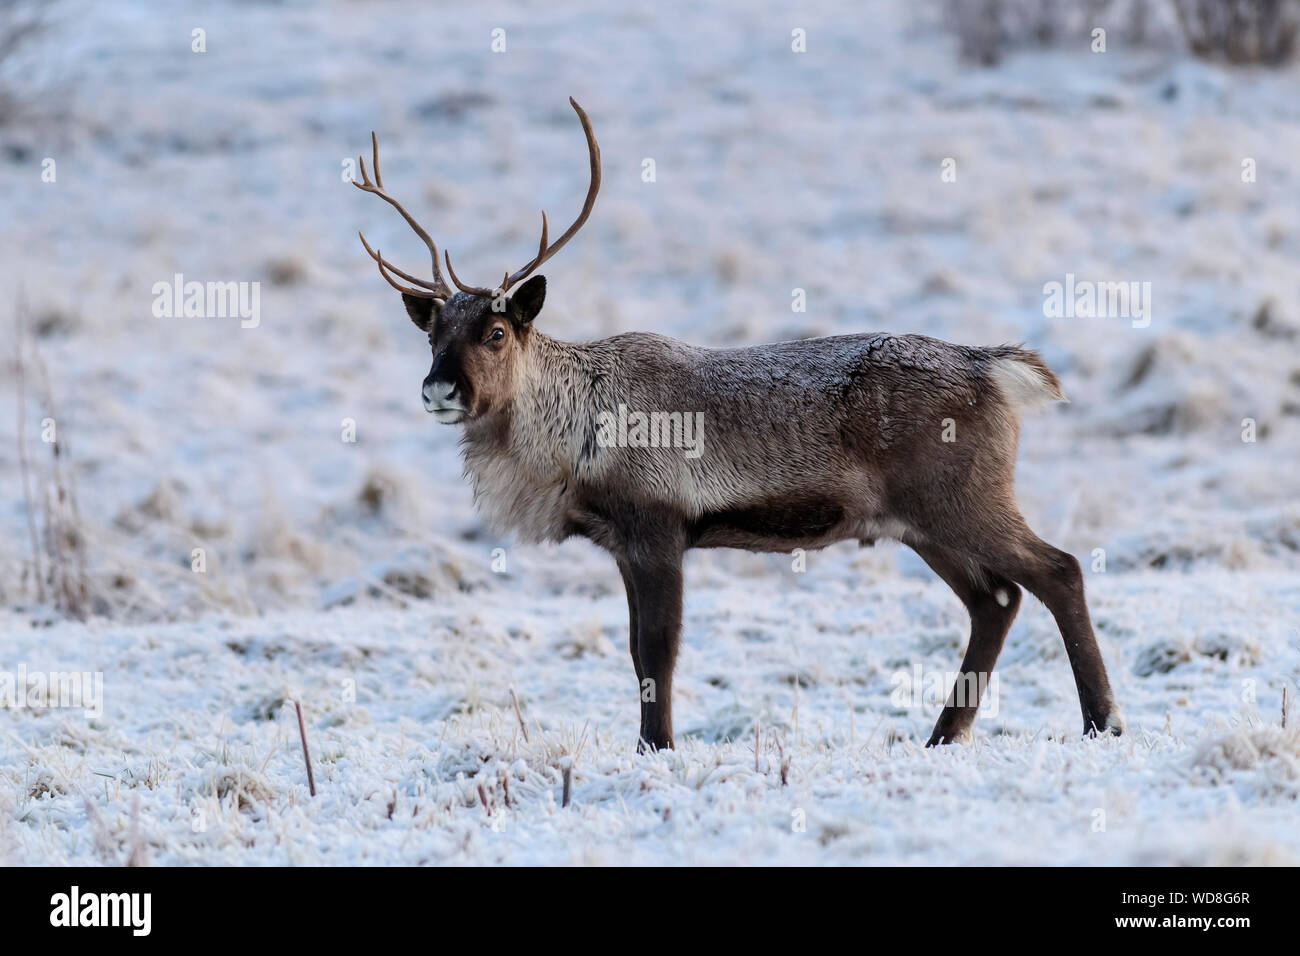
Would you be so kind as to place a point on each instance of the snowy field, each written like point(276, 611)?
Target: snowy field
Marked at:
point(355, 576)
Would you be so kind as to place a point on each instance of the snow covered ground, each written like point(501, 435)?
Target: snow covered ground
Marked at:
point(419, 758)
point(355, 576)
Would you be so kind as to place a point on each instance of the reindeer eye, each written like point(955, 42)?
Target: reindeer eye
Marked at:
point(497, 334)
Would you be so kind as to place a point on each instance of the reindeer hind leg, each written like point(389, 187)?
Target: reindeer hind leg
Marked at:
point(992, 601)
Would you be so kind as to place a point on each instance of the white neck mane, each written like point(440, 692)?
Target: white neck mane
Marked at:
point(522, 463)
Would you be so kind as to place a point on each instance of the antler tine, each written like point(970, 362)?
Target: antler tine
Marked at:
point(537, 260)
point(423, 283)
point(438, 285)
point(593, 151)
point(471, 289)
point(418, 293)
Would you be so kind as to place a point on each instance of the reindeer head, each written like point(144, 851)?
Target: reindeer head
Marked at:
point(477, 334)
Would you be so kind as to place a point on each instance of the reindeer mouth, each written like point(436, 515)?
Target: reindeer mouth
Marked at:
point(446, 414)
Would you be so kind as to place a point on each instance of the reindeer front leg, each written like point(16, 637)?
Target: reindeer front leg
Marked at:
point(654, 586)
point(629, 585)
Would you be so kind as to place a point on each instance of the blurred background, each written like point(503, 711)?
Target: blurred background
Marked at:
point(912, 167)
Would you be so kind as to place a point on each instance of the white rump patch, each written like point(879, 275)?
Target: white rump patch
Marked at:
point(1022, 385)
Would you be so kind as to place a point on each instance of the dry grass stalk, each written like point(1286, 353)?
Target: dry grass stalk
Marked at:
point(518, 714)
point(306, 754)
point(59, 548)
point(24, 464)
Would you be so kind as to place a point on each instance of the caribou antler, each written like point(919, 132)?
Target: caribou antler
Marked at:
point(472, 289)
point(438, 288)
point(545, 252)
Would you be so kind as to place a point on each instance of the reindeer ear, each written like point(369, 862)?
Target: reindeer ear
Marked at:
point(527, 302)
point(423, 312)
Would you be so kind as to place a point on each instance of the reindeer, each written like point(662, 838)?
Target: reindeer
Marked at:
point(806, 443)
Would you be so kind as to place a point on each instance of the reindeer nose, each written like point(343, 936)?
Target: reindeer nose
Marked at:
point(435, 394)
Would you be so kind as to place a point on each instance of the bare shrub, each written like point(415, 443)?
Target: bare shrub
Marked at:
point(1240, 31)
point(58, 542)
point(21, 21)
point(976, 23)
point(987, 29)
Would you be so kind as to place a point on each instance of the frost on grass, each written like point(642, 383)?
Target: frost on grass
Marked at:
point(421, 758)
point(1264, 758)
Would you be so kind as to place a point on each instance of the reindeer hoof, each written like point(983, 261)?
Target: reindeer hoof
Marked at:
point(1112, 726)
point(942, 737)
